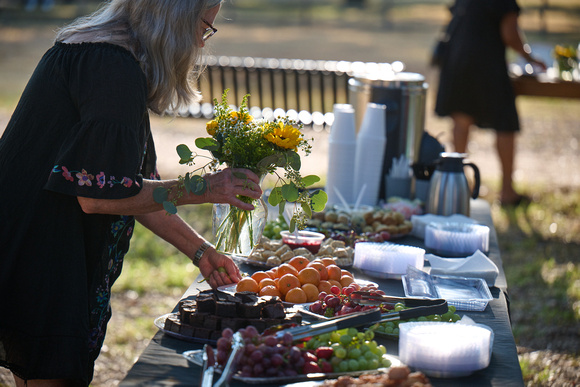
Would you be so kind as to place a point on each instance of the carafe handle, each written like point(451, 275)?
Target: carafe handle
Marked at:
point(475, 193)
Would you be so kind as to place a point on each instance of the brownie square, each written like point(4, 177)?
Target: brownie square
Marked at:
point(225, 309)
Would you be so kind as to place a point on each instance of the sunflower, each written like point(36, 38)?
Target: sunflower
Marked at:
point(285, 136)
point(211, 127)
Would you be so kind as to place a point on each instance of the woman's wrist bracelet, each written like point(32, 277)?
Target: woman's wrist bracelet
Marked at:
point(199, 253)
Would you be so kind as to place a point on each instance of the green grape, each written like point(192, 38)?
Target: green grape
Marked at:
point(370, 356)
point(451, 308)
point(396, 331)
point(455, 318)
point(373, 364)
point(335, 363)
point(360, 336)
point(386, 363)
point(380, 328)
point(345, 339)
point(364, 348)
point(369, 334)
point(353, 365)
point(372, 346)
point(363, 364)
point(352, 331)
point(340, 352)
point(382, 348)
point(422, 318)
point(343, 366)
point(354, 353)
point(335, 337)
point(325, 337)
point(389, 330)
point(447, 316)
point(437, 318)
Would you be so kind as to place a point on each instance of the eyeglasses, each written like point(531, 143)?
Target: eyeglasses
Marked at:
point(209, 32)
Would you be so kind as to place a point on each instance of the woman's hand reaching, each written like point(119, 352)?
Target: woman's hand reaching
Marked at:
point(218, 269)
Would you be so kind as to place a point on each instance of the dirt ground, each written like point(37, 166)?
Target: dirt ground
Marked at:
point(548, 147)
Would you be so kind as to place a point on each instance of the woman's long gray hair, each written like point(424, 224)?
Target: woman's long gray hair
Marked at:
point(163, 35)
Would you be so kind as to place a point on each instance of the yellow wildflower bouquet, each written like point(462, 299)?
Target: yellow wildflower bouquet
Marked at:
point(237, 140)
point(567, 60)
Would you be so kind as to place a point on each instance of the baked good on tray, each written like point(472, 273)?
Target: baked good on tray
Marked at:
point(211, 312)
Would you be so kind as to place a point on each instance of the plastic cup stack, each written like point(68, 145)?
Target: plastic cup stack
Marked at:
point(341, 153)
point(370, 150)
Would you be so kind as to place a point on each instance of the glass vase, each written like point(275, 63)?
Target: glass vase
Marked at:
point(237, 231)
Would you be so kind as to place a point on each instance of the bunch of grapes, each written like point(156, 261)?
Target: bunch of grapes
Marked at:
point(339, 302)
point(349, 350)
point(392, 327)
point(262, 356)
point(273, 228)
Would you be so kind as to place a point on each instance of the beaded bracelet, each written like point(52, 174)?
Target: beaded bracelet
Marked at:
point(199, 253)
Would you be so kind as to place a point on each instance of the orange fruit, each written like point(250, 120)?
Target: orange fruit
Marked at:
point(345, 280)
point(346, 272)
point(267, 282)
point(335, 283)
point(260, 275)
point(247, 284)
point(284, 269)
point(327, 261)
point(270, 290)
point(296, 296)
point(321, 269)
point(311, 292)
point(288, 282)
point(299, 262)
point(334, 272)
point(324, 286)
point(309, 275)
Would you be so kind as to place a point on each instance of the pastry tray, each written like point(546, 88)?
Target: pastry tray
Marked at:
point(466, 294)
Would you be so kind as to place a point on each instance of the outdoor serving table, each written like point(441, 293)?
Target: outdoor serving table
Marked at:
point(162, 363)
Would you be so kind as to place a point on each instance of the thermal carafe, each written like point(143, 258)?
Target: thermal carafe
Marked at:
point(449, 192)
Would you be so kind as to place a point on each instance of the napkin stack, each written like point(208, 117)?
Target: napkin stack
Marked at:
point(477, 265)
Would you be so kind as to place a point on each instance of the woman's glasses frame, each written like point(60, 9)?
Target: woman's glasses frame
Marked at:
point(209, 32)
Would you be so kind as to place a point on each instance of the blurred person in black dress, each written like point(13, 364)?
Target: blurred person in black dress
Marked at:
point(474, 84)
point(78, 167)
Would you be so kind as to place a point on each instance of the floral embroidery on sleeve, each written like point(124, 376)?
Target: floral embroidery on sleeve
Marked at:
point(86, 179)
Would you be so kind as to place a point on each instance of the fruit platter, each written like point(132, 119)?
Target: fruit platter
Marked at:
point(299, 280)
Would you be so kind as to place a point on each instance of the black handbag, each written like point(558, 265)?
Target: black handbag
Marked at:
point(440, 51)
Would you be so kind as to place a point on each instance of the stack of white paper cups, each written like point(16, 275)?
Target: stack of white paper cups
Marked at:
point(341, 154)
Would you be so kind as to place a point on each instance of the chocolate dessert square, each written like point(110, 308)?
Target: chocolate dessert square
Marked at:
point(206, 303)
point(273, 309)
point(225, 309)
point(186, 330)
point(202, 333)
point(250, 310)
point(197, 319)
point(212, 322)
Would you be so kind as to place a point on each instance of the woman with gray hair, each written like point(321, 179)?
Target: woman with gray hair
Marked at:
point(80, 140)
